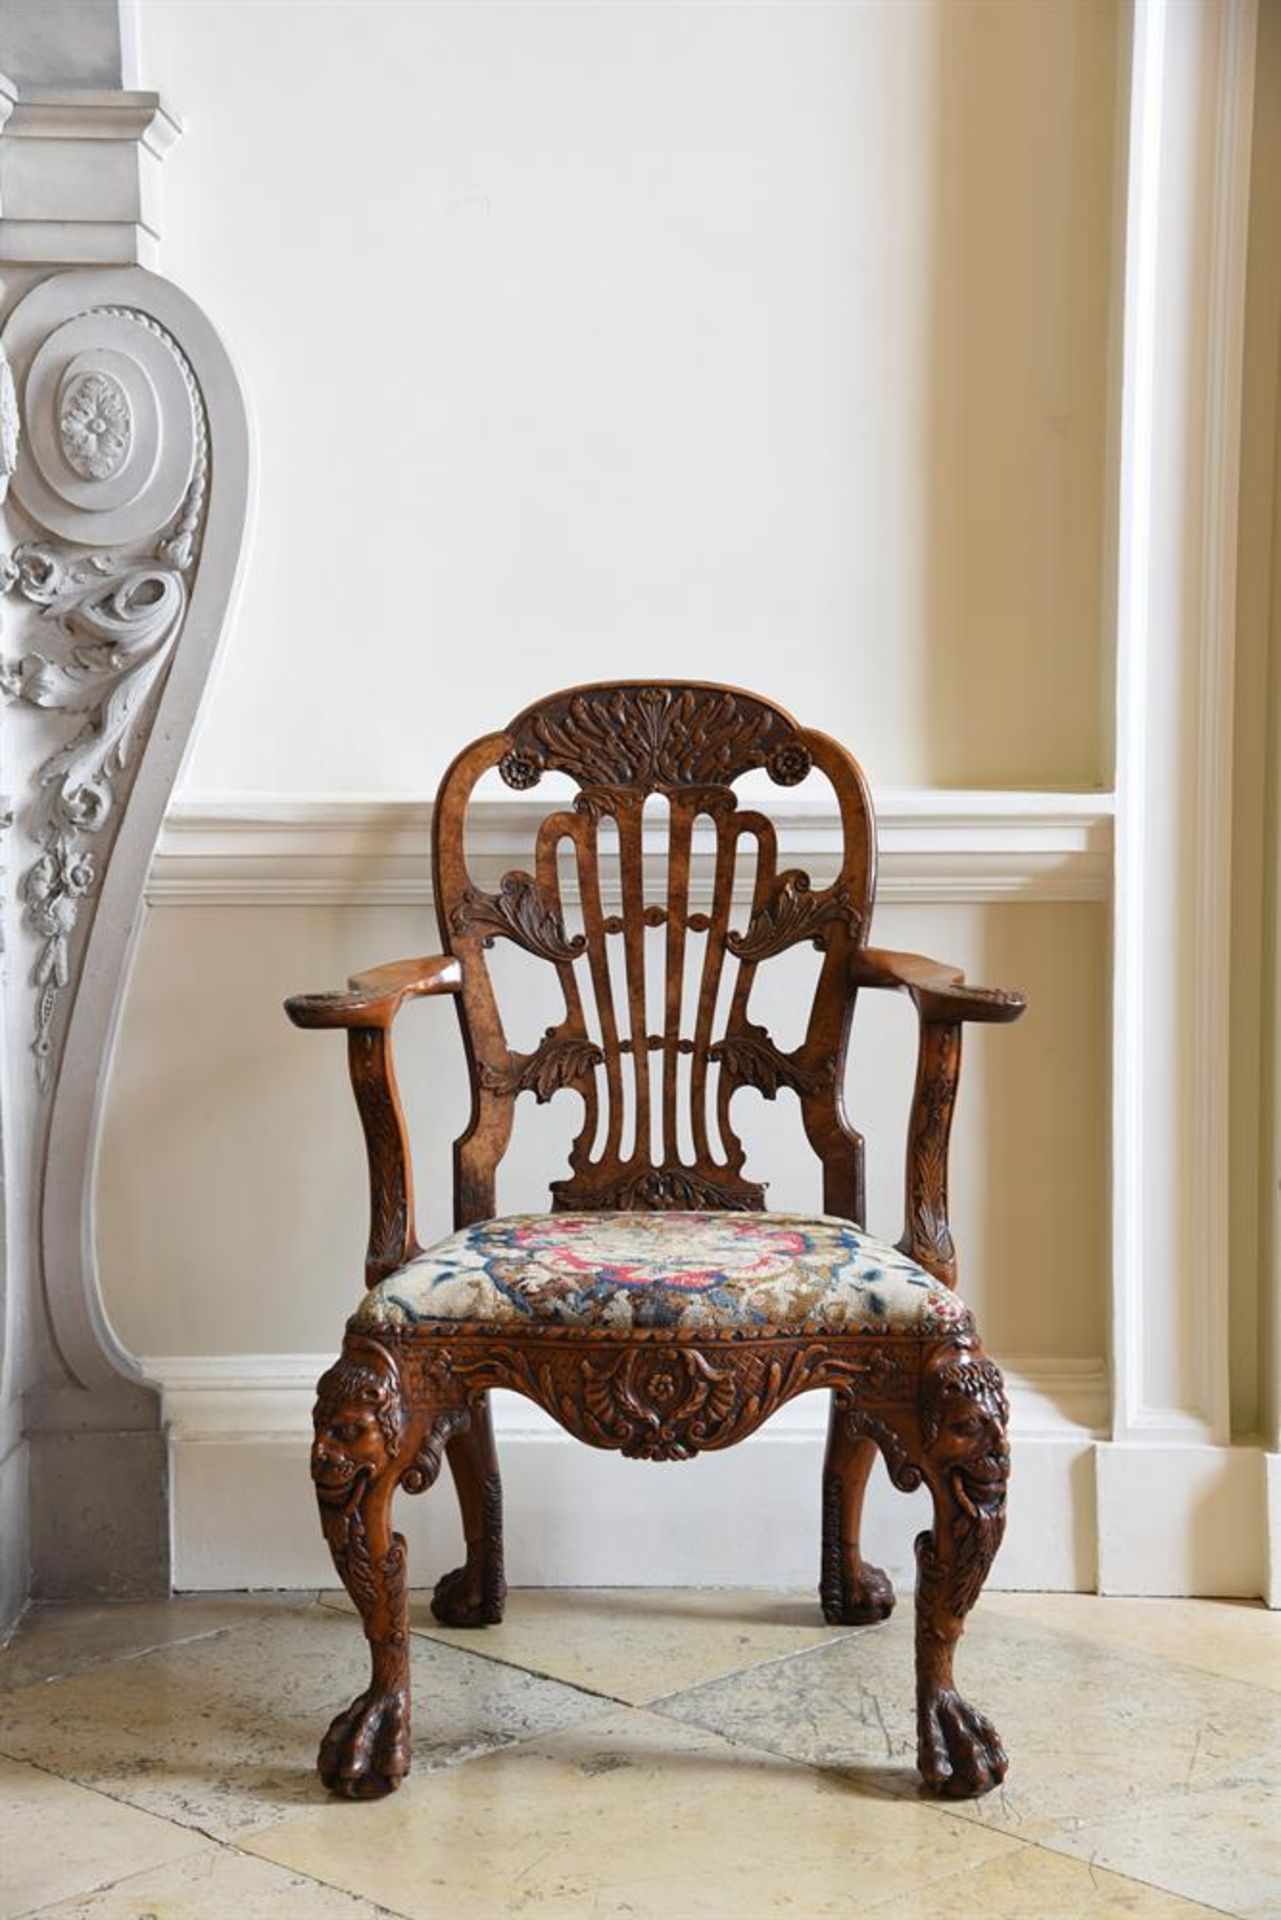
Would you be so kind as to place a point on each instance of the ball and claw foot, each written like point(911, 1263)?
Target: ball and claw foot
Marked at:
point(365, 1753)
point(959, 1751)
point(464, 1598)
point(866, 1598)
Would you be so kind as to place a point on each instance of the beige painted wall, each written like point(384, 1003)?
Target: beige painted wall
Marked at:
point(765, 342)
point(1257, 779)
point(756, 341)
point(231, 1191)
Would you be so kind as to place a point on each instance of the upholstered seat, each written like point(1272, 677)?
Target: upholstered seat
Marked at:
point(693, 1272)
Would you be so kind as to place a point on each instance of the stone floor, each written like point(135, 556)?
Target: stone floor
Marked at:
point(640, 1753)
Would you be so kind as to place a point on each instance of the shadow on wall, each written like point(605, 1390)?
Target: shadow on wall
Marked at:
point(1016, 425)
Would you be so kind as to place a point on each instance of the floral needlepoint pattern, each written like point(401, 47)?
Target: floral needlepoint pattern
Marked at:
point(687, 1271)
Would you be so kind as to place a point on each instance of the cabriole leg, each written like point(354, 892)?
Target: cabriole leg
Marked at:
point(966, 1457)
point(473, 1595)
point(365, 1446)
point(852, 1592)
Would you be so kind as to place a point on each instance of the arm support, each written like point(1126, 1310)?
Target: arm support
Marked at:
point(940, 992)
point(943, 1002)
point(367, 1010)
point(374, 998)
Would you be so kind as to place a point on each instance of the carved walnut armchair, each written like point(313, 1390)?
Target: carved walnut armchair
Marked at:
point(658, 1308)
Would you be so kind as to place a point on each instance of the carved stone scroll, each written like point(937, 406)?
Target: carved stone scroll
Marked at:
point(124, 455)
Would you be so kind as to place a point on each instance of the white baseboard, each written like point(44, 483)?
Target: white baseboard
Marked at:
point(1086, 1514)
point(243, 1513)
point(1183, 1519)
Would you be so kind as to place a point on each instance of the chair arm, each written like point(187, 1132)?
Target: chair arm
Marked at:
point(366, 1011)
point(374, 998)
point(940, 992)
point(944, 1003)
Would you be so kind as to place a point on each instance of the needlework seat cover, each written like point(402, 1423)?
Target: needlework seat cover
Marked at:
point(688, 1271)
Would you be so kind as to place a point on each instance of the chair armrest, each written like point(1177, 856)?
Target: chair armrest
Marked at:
point(366, 1012)
point(374, 998)
point(944, 1003)
point(940, 992)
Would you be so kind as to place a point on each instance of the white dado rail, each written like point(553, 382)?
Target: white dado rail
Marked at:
point(936, 847)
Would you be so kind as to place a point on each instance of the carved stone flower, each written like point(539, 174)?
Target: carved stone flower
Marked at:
point(95, 426)
point(789, 764)
point(520, 770)
point(77, 873)
point(42, 881)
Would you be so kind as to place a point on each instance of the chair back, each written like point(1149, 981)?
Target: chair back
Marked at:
point(656, 1035)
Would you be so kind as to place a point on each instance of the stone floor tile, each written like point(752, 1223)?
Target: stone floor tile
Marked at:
point(218, 1883)
point(221, 1733)
point(1220, 1844)
point(57, 1839)
point(1117, 1756)
point(1077, 1716)
point(1034, 1885)
point(1239, 1639)
point(630, 1815)
point(51, 1641)
point(635, 1643)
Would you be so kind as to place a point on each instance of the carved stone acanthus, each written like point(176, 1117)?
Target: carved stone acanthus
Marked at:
point(558, 1061)
point(793, 913)
point(95, 425)
point(752, 1060)
point(664, 1189)
point(650, 737)
point(117, 619)
point(517, 912)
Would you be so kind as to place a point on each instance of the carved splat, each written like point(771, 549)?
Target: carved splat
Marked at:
point(657, 1092)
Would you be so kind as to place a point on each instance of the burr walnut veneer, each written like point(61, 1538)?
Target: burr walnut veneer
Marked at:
point(655, 1039)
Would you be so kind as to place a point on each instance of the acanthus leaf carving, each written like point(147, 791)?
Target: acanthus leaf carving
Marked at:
point(670, 1400)
point(666, 1189)
point(654, 736)
point(558, 1061)
point(519, 912)
point(752, 1060)
point(793, 912)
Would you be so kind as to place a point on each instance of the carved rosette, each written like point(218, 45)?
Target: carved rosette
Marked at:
point(114, 473)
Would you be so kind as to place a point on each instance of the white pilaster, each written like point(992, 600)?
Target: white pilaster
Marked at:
point(1190, 129)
